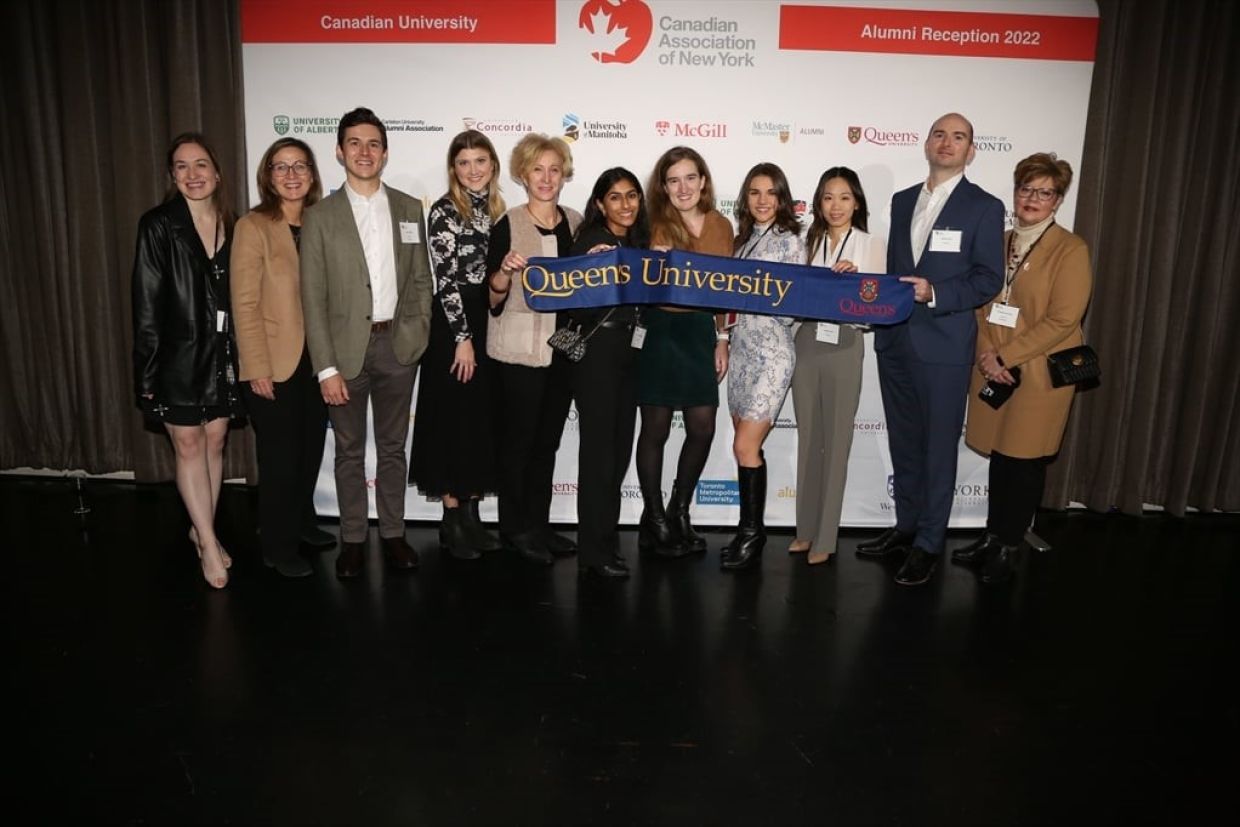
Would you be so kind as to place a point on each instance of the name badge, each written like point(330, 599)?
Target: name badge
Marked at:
point(409, 232)
point(945, 241)
point(221, 321)
point(828, 332)
point(639, 337)
point(1003, 315)
point(550, 246)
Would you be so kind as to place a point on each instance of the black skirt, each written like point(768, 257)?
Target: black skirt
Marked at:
point(453, 423)
point(676, 368)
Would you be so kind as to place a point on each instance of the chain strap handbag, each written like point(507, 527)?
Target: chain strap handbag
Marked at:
point(570, 342)
point(1073, 366)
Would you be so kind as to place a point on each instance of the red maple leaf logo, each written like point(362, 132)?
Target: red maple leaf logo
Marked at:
point(628, 23)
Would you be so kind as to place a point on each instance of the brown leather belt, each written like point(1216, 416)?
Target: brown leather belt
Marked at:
point(380, 327)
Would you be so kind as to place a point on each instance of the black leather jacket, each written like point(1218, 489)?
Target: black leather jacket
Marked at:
point(175, 301)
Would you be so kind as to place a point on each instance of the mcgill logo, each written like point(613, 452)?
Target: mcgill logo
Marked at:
point(620, 29)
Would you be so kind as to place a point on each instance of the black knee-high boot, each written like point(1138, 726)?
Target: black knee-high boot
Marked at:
point(745, 550)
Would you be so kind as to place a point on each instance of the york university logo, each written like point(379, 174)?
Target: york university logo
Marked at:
point(281, 124)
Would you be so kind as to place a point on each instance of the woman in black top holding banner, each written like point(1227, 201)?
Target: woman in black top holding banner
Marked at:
point(604, 382)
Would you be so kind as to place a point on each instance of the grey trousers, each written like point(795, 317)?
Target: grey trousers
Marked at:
point(826, 389)
point(389, 385)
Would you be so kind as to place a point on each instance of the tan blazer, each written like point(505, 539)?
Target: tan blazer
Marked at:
point(1052, 294)
point(266, 298)
point(335, 285)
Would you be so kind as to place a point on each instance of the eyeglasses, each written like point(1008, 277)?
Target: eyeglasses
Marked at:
point(281, 170)
point(1036, 194)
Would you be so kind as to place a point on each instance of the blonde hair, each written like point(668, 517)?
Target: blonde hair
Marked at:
point(525, 155)
point(473, 139)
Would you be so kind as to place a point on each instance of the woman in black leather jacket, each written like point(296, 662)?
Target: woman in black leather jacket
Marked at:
point(185, 372)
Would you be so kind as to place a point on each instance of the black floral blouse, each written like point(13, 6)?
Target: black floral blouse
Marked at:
point(459, 255)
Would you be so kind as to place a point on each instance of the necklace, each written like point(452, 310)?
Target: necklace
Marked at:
point(540, 222)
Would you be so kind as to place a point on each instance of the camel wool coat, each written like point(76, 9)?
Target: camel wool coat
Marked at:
point(1052, 290)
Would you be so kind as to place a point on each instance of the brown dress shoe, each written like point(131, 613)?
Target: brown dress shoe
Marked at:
point(349, 561)
point(399, 554)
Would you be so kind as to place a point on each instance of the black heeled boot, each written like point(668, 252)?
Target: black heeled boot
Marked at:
point(745, 550)
point(999, 565)
point(655, 533)
point(477, 536)
point(678, 517)
point(452, 537)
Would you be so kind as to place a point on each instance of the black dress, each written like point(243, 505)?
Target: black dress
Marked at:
point(453, 427)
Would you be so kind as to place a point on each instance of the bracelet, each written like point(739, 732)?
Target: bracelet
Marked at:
point(723, 336)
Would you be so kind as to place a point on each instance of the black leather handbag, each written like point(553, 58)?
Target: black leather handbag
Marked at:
point(570, 341)
point(1073, 366)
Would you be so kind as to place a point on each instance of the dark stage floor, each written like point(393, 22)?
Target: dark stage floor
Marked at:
point(1100, 687)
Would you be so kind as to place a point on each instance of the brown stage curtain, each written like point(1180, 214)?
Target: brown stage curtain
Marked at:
point(1160, 207)
point(92, 92)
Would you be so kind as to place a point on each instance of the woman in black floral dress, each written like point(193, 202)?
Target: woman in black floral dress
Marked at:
point(453, 456)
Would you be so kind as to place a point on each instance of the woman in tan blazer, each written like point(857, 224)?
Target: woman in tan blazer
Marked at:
point(280, 389)
point(1038, 312)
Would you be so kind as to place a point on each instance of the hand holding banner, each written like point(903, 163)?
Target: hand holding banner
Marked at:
point(628, 276)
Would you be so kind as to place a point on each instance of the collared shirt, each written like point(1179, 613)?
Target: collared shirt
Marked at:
point(926, 213)
point(373, 216)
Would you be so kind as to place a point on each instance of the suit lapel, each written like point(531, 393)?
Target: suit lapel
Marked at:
point(345, 229)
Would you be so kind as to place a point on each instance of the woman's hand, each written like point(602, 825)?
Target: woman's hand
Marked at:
point(661, 248)
point(601, 248)
point(263, 388)
point(844, 267)
point(463, 363)
point(992, 370)
point(721, 359)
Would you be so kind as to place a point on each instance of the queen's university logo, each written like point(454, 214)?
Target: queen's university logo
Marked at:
point(868, 290)
point(280, 123)
point(854, 134)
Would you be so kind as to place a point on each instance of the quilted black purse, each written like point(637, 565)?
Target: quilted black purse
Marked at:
point(570, 342)
point(1073, 366)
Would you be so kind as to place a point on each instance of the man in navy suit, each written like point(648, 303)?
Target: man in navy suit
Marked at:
point(947, 236)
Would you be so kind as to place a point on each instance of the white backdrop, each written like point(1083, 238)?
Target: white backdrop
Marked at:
point(807, 85)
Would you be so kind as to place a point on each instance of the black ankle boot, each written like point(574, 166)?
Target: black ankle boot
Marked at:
point(678, 517)
point(976, 552)
point(999, 565)
point(452, 538)
point(477, 536)
point(655, 533)
point(745, 550)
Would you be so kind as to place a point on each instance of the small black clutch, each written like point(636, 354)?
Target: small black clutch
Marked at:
point(1073, 366)
point(995, 394)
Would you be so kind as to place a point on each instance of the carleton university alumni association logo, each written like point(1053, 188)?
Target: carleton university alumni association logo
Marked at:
point(868, 291)
point(619, 29)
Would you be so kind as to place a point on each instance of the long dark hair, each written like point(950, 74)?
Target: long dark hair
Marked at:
point(639, 234)
point(785, 212)
point(818, 228)
point(219, 198)
point(269, 199)
point(665, 219)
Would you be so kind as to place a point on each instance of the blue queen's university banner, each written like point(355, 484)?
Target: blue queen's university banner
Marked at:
point(628, 276)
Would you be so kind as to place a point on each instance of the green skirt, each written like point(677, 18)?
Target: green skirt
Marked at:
point(676, 368)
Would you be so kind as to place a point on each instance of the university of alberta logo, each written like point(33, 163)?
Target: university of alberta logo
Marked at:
point(868, 290)
point(280, 124)
point(854, 134)
point(620, 29)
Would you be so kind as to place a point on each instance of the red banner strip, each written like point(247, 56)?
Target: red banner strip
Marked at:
point(961, 34)
point(392, 21)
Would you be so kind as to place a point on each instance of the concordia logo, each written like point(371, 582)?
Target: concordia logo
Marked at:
point(620, 28)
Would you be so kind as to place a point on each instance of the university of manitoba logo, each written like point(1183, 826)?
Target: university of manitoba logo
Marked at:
point(868, 291)
point(572, 127)
point(280, 123)
point(619, 29)
point(854, 134)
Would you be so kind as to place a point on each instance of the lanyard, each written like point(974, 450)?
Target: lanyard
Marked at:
point(746, 253)
point(839, 251)
point(1011, 276)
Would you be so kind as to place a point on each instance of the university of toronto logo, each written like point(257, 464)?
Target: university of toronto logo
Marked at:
point(280, 124)
point(868, 290)
point(620, 29)
point(854, 134)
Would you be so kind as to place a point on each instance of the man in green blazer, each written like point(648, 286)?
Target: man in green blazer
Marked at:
point(366, 294)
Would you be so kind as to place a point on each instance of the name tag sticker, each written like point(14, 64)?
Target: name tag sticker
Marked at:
point(409, 232)
point(1003, 315)
point(639, 337)
point(945, 241)
point(550, 246)
point(828, 332)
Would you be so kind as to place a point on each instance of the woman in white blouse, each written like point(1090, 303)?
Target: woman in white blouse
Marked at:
point(826, 385)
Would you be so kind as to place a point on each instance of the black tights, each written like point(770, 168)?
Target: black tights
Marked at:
point(656, 425)
point(1015, 492)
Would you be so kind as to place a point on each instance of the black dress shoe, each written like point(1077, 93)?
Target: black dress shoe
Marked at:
point(620, 562)
point(885, 543)
point(400, 556)
point(292, 568)
point(529, 546)
point(998, 568)
point(452, 537)
point(918, 567)
point(976, 552)
point(557, 544)
point(603, 571)
point(349, 561)
point(317, 538)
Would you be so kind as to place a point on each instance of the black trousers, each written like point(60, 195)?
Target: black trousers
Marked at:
point(604, 388)
point(533, 404)
point(1015, 492)
point(289, 433)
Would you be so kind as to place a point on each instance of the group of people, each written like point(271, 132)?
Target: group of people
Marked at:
point(313, 308)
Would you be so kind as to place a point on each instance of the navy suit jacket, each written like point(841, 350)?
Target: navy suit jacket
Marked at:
point(946, 334)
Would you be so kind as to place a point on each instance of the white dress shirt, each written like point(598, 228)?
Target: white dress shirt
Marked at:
point(926, 213)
